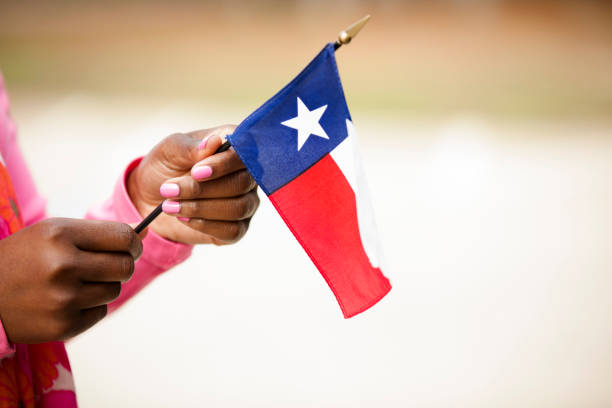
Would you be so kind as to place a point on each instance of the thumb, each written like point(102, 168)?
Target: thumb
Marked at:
point(181, 151)
point(213, 139)
point(142, 236)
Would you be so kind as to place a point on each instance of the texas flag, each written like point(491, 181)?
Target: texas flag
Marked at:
point(301, 148)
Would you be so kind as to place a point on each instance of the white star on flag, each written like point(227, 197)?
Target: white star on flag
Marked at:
point(307, 123)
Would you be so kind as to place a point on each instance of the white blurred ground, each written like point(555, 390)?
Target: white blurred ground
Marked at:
point(498, 239)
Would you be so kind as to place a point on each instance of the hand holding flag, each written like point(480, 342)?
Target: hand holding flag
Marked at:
point(300, 147)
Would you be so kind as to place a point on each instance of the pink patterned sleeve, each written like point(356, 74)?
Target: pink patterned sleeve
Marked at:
point(159, 254)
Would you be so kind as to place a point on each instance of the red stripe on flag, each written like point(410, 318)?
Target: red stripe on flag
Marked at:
point(320, 210)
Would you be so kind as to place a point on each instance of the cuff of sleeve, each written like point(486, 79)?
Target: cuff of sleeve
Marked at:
point(6, 347)
point(157, 249)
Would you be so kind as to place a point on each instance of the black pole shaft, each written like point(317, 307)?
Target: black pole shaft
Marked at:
point(158, 210)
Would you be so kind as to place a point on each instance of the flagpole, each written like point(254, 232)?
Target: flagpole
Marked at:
point(344, 37)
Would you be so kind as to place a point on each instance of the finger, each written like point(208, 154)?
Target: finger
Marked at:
point(105, 267)
point(91, 316)
point(220, 209)
point(186, 187)
point(97, 294)
point(180, 150)
point(142, 234)
point(106, 236)
point(217, 165)
point(224, 232)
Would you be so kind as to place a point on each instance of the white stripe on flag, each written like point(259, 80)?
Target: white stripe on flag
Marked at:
point(347, 157)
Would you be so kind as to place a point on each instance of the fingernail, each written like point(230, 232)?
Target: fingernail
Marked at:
point(169, 190)
point(171, 207)
point(201, 172)
point(203, 143)
point(184, 219)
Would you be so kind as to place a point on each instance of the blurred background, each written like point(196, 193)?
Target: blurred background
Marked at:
point(486, 131)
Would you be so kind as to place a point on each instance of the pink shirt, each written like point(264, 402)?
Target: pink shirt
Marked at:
point(24, 365)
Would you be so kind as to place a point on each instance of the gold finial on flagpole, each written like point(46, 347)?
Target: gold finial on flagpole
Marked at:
point(351, 31)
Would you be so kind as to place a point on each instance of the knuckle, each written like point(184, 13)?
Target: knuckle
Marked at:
point(55, 266)
point(241, 207)
point(244, 182)
point(233, 231)
point(58, 266)
point(256, 200)
point(253, 203)
point(176, 138)
point(126, 267)
point(93, 316)
point(188, 208)
point(247, 205)
point(53, 229)
point(223, 165)
point(114, 290)
point(127, 236)
point(61, 302)
point(192, 188)
point(171, 144)
point(102, 311)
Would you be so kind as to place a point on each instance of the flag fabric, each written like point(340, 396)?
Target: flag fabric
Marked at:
point(300, 147)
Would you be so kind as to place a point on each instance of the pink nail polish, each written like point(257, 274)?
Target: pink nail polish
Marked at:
point(203, 143)
point(184, 219)
point(171, 207)
point(169, 190)
point(201, 172)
